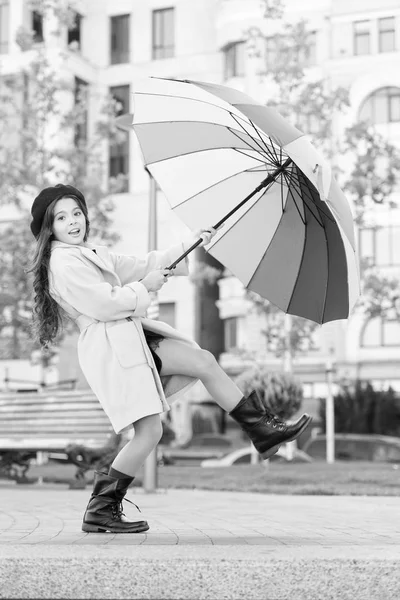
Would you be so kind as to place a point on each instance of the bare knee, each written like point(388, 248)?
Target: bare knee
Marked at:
point(206, 363)
point(149, 427)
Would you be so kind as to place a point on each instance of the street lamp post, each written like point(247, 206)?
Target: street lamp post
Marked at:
point(330, 414)
point(150, 464)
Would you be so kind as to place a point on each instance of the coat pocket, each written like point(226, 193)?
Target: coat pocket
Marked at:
point(126, 344)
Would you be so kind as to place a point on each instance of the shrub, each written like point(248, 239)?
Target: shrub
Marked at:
point(280, 392)
point(362, 409)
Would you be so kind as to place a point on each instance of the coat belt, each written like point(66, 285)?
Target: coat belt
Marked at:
point(83, 321)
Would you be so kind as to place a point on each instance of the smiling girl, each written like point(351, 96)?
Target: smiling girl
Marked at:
point(134, 365)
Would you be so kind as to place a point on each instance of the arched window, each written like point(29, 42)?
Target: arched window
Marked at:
point(383, 106)
point(377, 333)
point(234, 59)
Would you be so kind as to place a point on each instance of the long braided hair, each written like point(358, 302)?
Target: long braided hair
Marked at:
point(47, 314)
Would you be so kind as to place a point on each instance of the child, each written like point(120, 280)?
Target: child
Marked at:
point(132, 364)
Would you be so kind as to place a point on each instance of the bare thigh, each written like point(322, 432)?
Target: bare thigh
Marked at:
point(180, 359)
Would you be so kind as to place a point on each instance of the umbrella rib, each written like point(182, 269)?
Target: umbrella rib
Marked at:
point(280, 159)
point(161, 160)
point(282, 203)
point(327, 276)
point(306, 182)
point(236, 118)
point(241, 151)
point(306, 192)
point(200, 100)
point(217, 183)
point(267, 150)
point(236, 133)
point(294, 181)
point(196, 151)
point(294, 200)
point(300, 265)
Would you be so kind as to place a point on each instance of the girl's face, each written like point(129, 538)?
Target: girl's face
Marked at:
point(69, 224)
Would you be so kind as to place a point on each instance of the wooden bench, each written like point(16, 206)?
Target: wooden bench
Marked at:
point(67, 424)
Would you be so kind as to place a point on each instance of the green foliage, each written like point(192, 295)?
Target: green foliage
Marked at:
point(310, 102)
point(375, 169)
point(43, 140)
point(306, 102)
point(299, 337)
point(360, 408)
point(15, 294)
point(381, 295)
point(280, 392)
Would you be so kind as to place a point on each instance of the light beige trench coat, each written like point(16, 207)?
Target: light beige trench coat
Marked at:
point(99, 291)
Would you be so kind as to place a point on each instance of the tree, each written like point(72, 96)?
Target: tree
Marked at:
point(308, 102)
point(359, 408)
point(370, 176)
point(374, 173)
point(43, 140)
point(372, 179)
point(280, 392)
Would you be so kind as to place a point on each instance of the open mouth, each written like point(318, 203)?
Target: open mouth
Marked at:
point(74, 232)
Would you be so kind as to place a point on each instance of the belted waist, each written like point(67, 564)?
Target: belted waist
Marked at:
point(83, 321)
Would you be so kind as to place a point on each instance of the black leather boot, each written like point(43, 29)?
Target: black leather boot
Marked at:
point(266, 431)
point(104, 510)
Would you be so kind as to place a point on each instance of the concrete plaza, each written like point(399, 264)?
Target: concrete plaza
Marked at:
point(201, 545)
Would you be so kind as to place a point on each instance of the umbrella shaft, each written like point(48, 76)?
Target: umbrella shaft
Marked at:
point(271, 177)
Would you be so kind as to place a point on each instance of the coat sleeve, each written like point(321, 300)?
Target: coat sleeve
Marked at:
point(83, 287)
point(130, 268)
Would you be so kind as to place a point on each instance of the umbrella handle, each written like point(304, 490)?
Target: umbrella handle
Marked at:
point(173, 265)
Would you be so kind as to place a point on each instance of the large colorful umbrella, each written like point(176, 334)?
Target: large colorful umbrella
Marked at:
point(221, 157)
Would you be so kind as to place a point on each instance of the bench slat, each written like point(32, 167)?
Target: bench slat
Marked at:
point(49, 406)
point(51, 445)
point(50, 415)
point(57, 425)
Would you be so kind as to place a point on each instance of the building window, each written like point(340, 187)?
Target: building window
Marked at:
point(361, 37)
point(380, 246)
point(167, 312)
point(119, 150)
point(80, 97)
point(230, 333)
point(120, 39)
point(163, 33)
point(4, 25)
point(234, 59)
point(271, 50)
point(383, 106)
point(37, 26)
point(309, 123)
point(378, 332)
point(387, 34)
point(309, 55)
point(74, 33)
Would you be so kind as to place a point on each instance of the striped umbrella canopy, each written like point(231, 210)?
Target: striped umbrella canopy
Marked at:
point(285, 228)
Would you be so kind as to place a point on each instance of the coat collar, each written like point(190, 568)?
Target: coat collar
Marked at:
point(99, 258)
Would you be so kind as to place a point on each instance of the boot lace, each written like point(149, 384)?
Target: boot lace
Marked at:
point(117, 508)
point(275, 422)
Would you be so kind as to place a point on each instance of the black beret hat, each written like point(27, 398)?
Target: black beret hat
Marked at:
point(45, 198)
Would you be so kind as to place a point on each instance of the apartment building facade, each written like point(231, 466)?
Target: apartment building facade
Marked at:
point(114, 43)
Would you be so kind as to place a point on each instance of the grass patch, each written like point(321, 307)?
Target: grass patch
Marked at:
point(356, 478)
point(318, 478)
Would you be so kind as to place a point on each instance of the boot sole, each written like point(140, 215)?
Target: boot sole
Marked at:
point(89, 528)
point(271, 451)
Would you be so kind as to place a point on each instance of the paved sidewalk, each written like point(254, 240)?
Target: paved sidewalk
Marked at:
point(201, 545)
